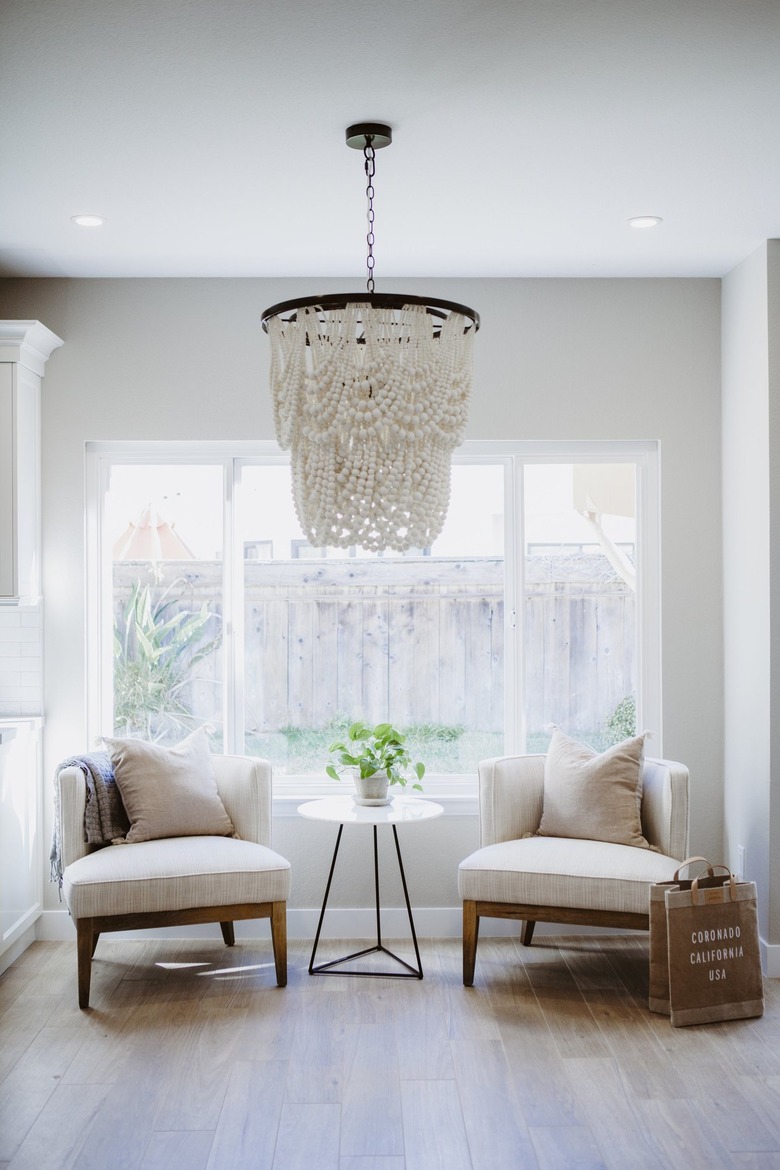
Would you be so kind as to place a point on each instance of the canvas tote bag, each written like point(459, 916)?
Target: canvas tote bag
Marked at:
point(714, 959)
point(658, 999)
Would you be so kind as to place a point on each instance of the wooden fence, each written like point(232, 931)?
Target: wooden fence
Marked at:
point(580, 653)
point(420, 640)
point(414, 641)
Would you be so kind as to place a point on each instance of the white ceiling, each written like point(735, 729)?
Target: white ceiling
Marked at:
point(210, 134)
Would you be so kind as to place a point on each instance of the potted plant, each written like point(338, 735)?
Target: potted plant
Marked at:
point(376, 757)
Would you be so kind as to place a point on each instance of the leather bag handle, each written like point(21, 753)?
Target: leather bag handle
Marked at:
point(690, 861)
point(730, 879)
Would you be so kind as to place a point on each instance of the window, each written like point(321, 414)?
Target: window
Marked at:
point(580, 644)
point(538, 604)
point(331, 635)
point(162, 630)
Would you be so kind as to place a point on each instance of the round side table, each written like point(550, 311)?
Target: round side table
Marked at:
point(342, 810)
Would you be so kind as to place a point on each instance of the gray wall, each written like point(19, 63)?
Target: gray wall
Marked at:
point(751, 535)
point(555, 359)
point(746, 576)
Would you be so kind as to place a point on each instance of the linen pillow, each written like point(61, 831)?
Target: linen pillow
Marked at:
point(591, 795)
point(169, 792)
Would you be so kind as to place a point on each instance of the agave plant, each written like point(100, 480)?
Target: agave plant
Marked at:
point(157, 644)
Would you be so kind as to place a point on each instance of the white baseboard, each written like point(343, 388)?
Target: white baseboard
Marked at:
point(429, 922)
point(770, 959)
point(436, 922)
point(18, 947)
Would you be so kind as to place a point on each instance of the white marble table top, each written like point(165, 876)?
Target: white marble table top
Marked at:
point(404, 810)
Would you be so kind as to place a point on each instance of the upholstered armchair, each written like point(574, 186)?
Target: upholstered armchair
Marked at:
point(176, 880)
point(517, 874)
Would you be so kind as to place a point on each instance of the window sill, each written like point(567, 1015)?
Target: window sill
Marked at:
point(457, 794)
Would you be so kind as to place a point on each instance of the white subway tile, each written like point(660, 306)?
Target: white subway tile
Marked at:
point(9, 619)
point(13, 710)
point(29, 637)
point(14, 664)
point(28, 634)
point(31, 617)
point(20, 692)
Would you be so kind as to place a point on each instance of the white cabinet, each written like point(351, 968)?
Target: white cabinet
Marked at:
point(21, 848)
point(25, 347)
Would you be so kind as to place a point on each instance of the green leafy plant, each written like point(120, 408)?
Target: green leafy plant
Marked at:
point(372, 750)
point(156, 646)
point(621, 724)
point(304, 747)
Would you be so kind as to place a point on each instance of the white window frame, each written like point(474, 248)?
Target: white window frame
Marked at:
point(646, 458)
point(458, 791)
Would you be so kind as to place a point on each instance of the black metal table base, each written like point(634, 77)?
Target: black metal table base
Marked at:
point(334, 967)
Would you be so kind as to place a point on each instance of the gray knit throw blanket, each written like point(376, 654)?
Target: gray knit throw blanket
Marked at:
point(105, 819)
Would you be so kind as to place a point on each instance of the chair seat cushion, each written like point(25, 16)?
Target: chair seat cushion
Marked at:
point(174, 873)
point(562, 871)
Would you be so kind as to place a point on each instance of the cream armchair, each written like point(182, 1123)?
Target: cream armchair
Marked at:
point(177, 880)
point(563, 879)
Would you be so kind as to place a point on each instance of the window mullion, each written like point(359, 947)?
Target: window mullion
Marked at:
point(234, 612)
point(514, 718)
point(649, 703)
point(99, 624)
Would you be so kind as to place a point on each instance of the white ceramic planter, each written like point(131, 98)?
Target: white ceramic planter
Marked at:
point(371, 790)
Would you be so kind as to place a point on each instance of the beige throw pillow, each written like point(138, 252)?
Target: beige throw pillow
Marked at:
point(169, 792)
point(591, 795)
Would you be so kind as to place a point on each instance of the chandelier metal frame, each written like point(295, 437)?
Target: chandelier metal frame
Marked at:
point(370, 137)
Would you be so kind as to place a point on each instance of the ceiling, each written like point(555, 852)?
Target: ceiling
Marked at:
point(210, 135)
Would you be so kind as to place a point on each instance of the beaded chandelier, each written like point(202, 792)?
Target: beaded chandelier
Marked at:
point(370, 396)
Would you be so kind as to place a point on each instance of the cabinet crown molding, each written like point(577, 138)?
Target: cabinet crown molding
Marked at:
point(27, 342)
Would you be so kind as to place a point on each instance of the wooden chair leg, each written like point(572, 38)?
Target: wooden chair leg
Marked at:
point(470, 936)
point(85, 945)
point(528, 933)
point(95, 937)
point(228, 933)
point(279, 940)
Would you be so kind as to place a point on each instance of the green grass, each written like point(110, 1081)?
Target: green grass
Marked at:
point(441, 747)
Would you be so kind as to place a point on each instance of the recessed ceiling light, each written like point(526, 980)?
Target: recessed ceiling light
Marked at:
point(88, 220)
point(645, 221)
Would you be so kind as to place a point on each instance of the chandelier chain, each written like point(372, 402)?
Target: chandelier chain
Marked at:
point(369, 155)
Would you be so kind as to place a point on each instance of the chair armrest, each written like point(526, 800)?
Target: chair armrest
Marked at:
point(73, 801)
point(665, 806)
point(245, 785)
point(511, 789)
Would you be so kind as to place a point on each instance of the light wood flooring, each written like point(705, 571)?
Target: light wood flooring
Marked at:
point(192, 1059)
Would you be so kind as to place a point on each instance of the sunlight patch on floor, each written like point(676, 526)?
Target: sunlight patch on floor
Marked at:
point(232, 972)
point(179, 966)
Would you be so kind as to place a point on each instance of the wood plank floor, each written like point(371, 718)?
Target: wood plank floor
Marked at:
point(192, 1059)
